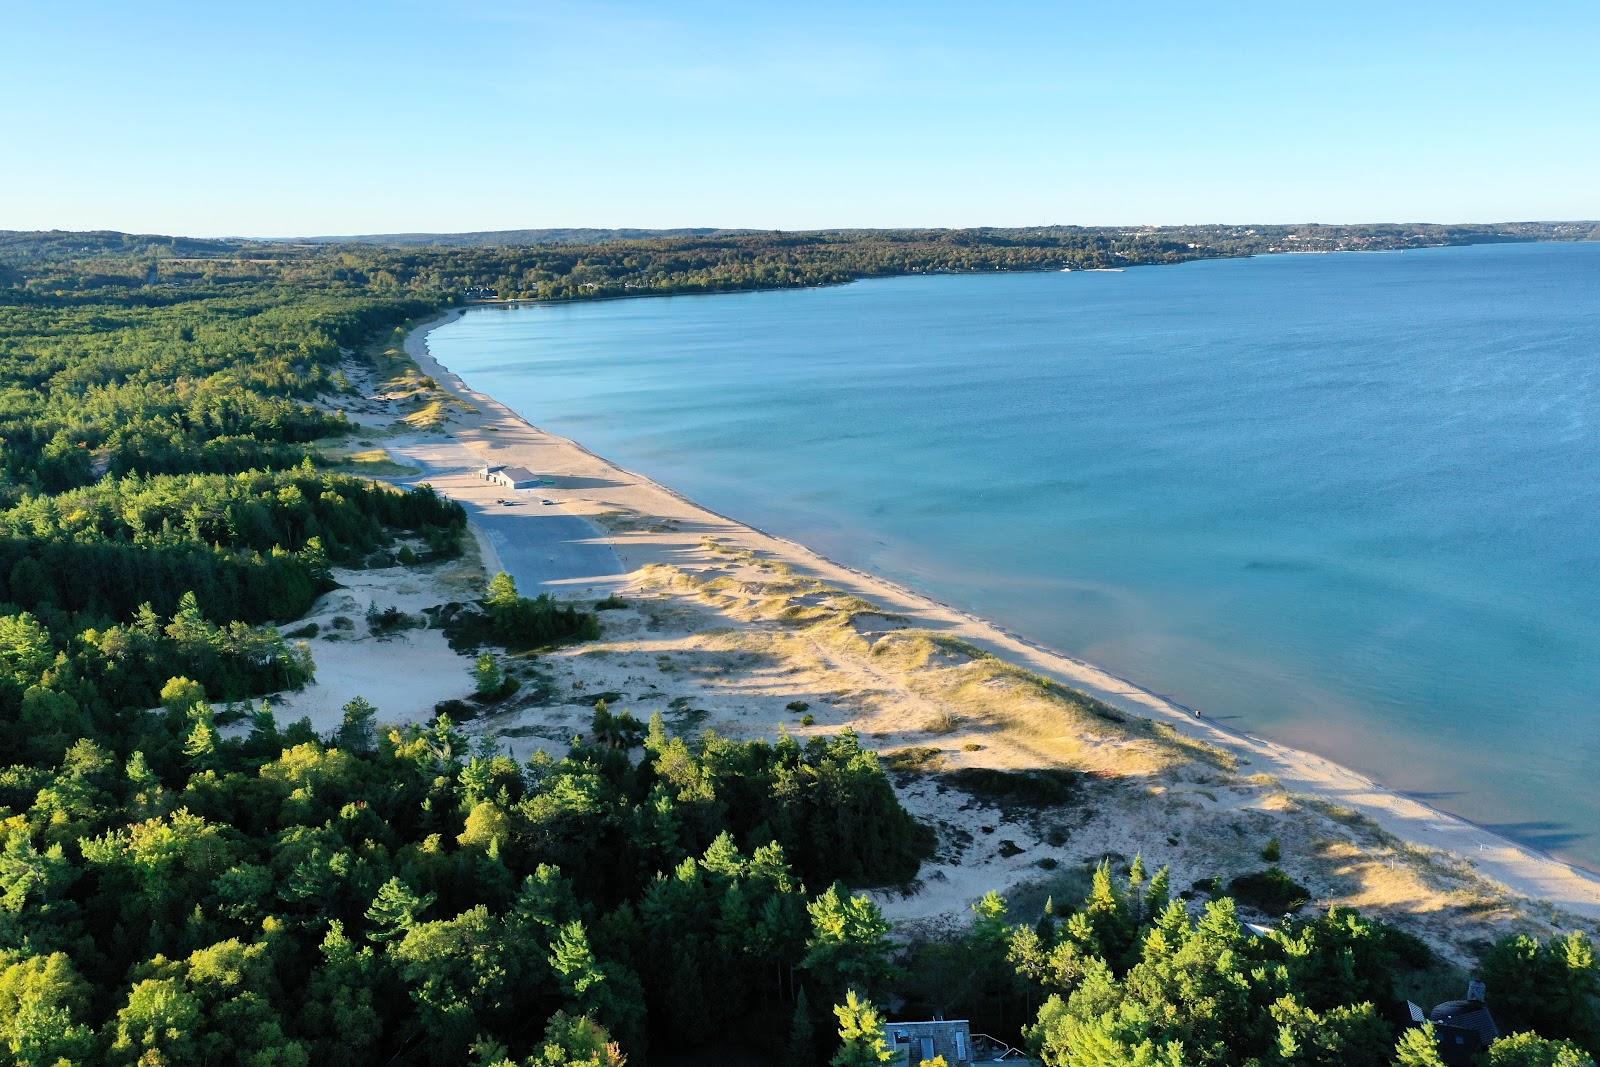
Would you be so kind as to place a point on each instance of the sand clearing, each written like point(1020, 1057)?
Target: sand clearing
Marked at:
point(727, 626)
point(403, 673)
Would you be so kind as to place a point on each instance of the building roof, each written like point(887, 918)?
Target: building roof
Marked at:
point(1470, 1015)
point(1403, 1013)
point(518, 474)
point(908, 1024)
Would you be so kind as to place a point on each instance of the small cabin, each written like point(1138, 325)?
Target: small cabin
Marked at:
point(1464, 1028)
point(1461, 1028)
point(916, 1042)
point(512, 477)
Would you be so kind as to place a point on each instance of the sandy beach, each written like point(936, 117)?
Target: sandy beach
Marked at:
point(731, 628)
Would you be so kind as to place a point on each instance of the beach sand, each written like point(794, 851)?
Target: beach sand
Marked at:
point(727, 625)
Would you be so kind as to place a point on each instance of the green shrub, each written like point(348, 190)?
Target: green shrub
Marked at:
point(1271, 891)
point(919, 758)
point(388, 620)
point(1042, 787)
point(456, 710)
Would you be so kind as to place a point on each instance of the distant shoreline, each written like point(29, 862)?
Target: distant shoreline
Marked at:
point(516, 301)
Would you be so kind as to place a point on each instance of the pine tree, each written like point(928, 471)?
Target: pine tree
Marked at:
point(1531, 1050)
point(1418, 1047)
point(502, 591)
point(802, 1048)
point(861, 1041)
point(1107, 913)
point(395, 910)
point(849, 944)
point(357, 730)
point(201, 743)
point(147, 797)
point(1159, 893)
point(989, 919)
point(178, 695)
point(574, 963)
point(487, 676)
point(1046, 926)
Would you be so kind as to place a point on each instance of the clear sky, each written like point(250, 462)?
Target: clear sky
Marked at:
point(293, 118)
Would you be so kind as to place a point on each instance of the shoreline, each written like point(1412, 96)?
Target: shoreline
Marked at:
point(519, 301)
point(1523, 870)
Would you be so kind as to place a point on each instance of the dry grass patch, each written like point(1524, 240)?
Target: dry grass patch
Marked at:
point(374, 463)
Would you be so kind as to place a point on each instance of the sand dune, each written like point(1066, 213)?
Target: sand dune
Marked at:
point(727, 625)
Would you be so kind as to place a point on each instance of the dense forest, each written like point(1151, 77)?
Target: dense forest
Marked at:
point(578, 264)
point(174, 893)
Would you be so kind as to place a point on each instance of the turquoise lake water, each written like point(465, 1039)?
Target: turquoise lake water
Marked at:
point(1349, 502)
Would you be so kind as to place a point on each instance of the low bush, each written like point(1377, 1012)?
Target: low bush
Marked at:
point(1271, 891)
point(1038, 788)
point(919, 758)
point(456, 710)
point(388, 620)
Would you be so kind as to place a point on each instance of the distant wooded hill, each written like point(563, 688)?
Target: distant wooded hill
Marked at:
point(569, 264)
point(595, 235)
point(479, 238)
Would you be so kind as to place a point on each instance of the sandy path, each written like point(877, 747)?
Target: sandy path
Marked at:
point(661, 526)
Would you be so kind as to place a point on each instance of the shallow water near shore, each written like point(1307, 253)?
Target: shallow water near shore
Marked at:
point(1348, 502)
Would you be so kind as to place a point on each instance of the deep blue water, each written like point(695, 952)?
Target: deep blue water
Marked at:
point(1346, 501)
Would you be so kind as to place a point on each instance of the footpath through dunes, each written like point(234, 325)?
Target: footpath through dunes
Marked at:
point(1027, 761)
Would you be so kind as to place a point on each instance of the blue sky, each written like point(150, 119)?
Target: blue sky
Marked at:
point(346, 117)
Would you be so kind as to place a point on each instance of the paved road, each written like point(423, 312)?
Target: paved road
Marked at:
point(546, 549)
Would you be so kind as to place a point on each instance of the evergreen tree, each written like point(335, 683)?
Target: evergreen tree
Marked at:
point(200, 746)
point(1418, 1047)
point(357, 727)
point(1531, 1050)
point(849, 944)
point(861, 1042)
point(502, 591)
point(487, 675)
point(575, 966)
point(396, 910)
point(1158, 894)
point(43, 1007)
point(801, 1050)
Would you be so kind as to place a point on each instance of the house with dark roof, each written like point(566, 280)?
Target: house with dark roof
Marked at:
point(918, 1042)
point(1461, 1028)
